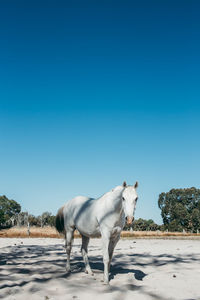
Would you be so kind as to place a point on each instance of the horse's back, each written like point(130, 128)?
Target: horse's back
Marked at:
point(80, 213)
point(73, 208)
point(76, 202)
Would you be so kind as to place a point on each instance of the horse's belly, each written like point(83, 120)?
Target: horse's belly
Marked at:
point(87, 225)
point(89, 231)
point(90, 234)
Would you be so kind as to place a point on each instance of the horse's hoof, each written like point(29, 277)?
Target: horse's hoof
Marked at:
point(105, 282)
point(68, 270)
point(89, 272)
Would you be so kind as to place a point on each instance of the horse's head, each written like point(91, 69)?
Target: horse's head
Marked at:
point(129, 199)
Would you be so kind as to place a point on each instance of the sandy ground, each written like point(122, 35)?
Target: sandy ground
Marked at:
point(141, 269)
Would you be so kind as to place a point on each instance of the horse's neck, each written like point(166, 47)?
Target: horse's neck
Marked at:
point(110, 205)
point(118, 204)
point(113, 200)
point(116, 208)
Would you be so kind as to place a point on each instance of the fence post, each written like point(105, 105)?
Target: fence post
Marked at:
point(28, 229)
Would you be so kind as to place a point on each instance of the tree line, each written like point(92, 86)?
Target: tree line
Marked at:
point(144, 225)
point(11, 215)
point(180, 211)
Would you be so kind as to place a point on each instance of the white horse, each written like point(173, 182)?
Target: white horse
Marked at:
point(103, 217)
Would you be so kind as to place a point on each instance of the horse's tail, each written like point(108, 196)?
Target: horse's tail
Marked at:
point(60, 220)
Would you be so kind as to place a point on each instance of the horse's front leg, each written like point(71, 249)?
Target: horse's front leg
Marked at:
point(105, 248)
point(111, 247)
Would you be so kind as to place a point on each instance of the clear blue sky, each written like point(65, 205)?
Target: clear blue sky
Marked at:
point(96, 92)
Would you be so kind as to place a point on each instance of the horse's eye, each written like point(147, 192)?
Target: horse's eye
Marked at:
point(136, 199)
point(123, 199)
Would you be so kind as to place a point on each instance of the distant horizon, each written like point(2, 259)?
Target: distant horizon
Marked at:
point(96, 93)
point(54, 213)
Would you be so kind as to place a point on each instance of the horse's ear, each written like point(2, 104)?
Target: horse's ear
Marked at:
point(124, 184)
point(136, 185)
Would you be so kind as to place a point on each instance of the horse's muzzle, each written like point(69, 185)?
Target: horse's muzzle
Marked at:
point(129, 220)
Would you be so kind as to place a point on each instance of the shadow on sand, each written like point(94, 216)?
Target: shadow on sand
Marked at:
point(22, 265)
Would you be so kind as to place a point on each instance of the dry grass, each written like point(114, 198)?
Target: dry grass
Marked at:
point(156, 234)
point(35, 232)
point(51, 232)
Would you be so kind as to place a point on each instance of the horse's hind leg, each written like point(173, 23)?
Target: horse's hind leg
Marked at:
point(84, 250)
point(68, 245)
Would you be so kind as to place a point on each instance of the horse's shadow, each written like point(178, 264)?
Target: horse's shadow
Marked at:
point(115, 269)
point(138, 274)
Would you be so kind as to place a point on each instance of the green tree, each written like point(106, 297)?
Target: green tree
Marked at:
point(8, 209)
point(143, 225)
point(33, 221)
point(46, 219)
point(195, 219)
point(180, 209)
